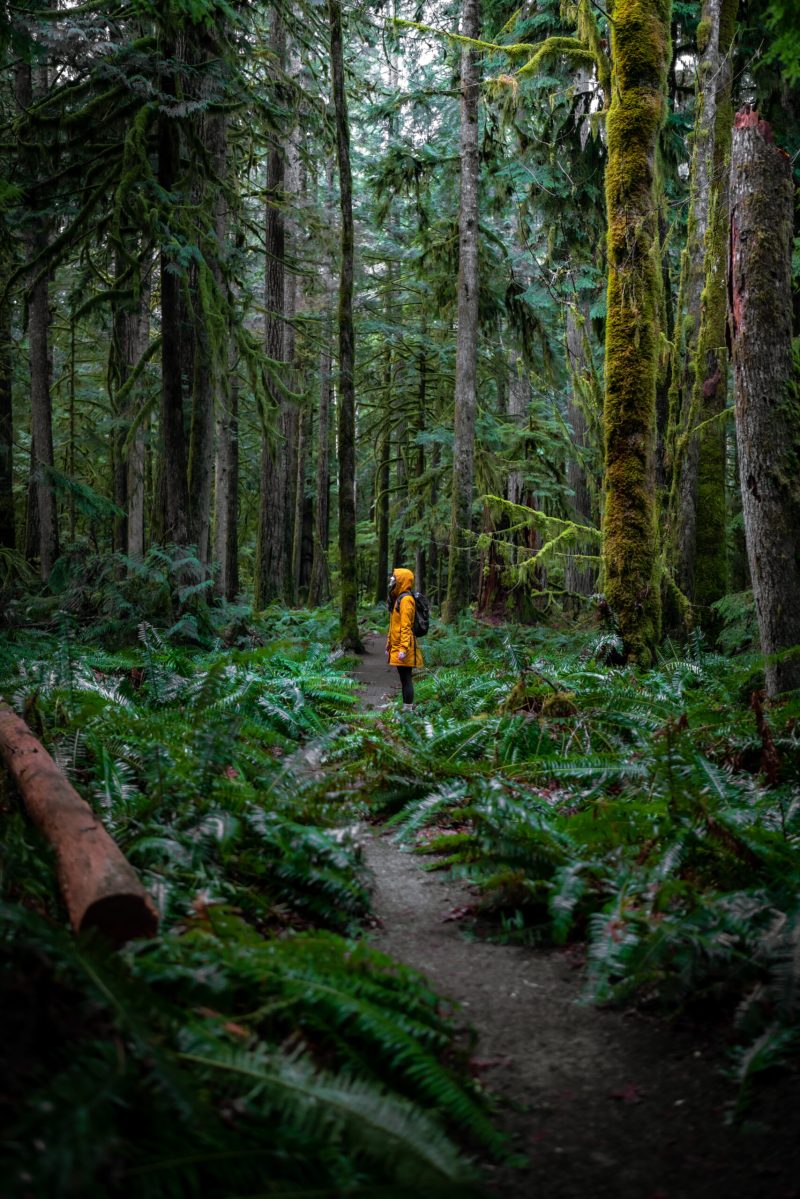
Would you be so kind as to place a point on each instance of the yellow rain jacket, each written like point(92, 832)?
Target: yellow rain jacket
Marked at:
point(400, 638)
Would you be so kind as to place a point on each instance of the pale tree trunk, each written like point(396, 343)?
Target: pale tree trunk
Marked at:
point(420, 556)
point(400, 497)
point(226, 490)
point(31, 511)
point(640, 55)
point(42, 423)
point(383, 469)
point(519, 395)
point(290, 413)
point(320, 588)
point(700, 367)
point(347, 407)
point(580, 575)
point(45, 523)
point(766, 393)
point(130, 336)
point(382, 478)
point(433, 559)
point(299, 503)
point(173, 491)
point(138, 450)
point(494, 593)
point(7, 522)
point(458, 579)
point(209, 373)
point(271, 564)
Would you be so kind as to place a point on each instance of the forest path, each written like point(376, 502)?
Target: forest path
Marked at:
point(603, 1103)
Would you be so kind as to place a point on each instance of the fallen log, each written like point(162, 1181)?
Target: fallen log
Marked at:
point(100, 887)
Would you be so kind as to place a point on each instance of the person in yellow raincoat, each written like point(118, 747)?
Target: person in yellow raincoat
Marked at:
point(402, 649)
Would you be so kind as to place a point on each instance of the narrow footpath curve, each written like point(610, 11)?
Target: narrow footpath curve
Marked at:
point(603, 1103)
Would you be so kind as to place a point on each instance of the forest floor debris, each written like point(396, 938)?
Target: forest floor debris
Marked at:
point(602, 1102)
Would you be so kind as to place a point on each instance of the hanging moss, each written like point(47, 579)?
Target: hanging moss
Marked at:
point(640, 55)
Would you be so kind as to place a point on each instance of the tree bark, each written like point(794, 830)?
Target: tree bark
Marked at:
point(101, 889)
point(458, 578)
point(347, 414)
point(42, 457)
point(640, 55)
point(382, 481)
point(130, 336)
point(766, 393)
point(173, 490)
point(7, 522)
point(271, 564)
point(226, 490)
point(299, 503)
point(420, 555)
point(137, 454)
point(42, 422)
point(700, 369)
point(319, 588)
point(433, 558)
point(580, 576)
point(292, 298)
point(519, 395)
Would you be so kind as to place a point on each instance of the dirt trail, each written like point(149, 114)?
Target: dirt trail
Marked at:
point(604, 1103)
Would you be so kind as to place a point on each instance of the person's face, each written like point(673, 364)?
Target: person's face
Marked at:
point(392, 583)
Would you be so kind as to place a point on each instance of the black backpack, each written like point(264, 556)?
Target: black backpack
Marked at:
point(422, 611)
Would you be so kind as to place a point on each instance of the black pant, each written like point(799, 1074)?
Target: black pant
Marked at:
point(407, 683)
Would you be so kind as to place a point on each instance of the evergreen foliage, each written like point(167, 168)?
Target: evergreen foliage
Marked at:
point(193, 445)
point(246, 1037)
point(649, 814)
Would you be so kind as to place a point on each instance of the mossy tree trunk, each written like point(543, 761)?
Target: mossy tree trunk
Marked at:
point(640, 53)
point(458, 577)
point(766, 392)
point(347, 400)
point(698, 507)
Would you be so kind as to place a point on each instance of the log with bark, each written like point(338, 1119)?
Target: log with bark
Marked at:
point(100, 887)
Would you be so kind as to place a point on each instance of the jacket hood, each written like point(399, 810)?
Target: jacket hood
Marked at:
point(405, 580)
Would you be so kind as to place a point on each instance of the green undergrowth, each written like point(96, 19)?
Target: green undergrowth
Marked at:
point(258, 1045)
point(653, 815)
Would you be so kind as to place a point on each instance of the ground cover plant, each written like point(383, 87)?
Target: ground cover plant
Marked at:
point(258, 1037)
point(653, 815)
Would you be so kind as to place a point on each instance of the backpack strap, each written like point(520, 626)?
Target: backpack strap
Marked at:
point(403, 595)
